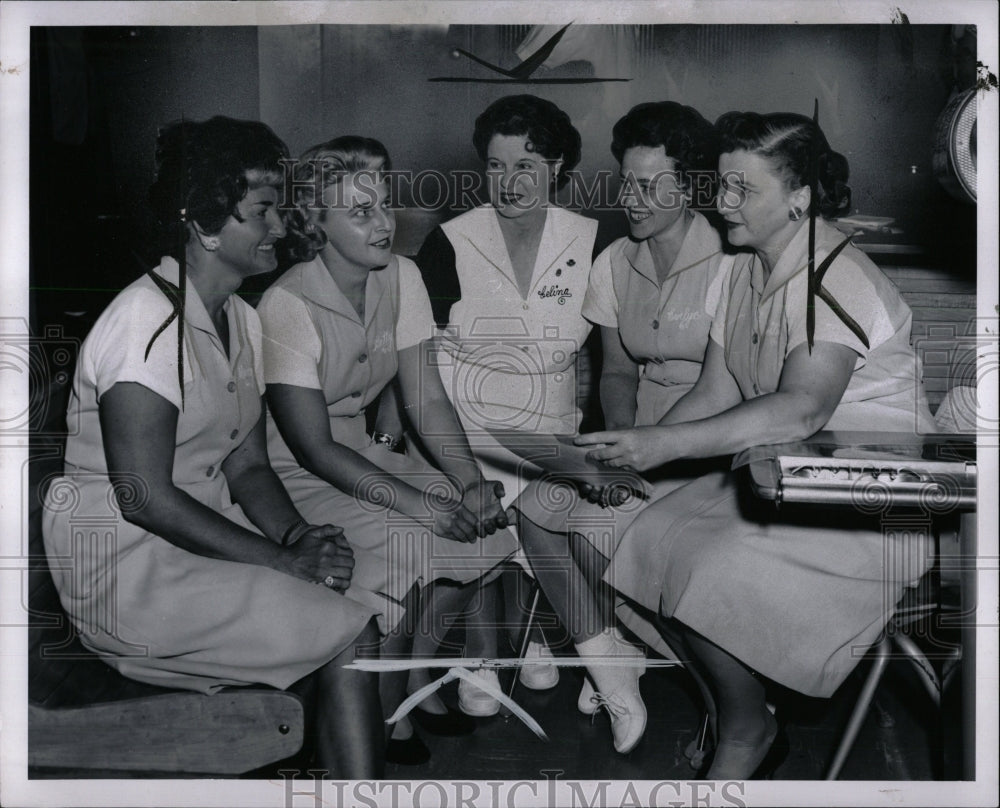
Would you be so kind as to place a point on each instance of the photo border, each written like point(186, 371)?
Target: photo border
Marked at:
point(16, 18)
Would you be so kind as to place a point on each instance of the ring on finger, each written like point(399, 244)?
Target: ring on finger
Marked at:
point(329, 581)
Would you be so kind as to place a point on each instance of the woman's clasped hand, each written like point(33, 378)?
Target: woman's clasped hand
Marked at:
point(320, 554)
point(471, 514)
point(483, 499)
point(605, 496)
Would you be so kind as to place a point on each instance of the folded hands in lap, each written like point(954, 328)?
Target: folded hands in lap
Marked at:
point(321, 555)
point(477, 514)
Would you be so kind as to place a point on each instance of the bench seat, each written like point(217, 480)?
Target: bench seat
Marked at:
point(83, 714)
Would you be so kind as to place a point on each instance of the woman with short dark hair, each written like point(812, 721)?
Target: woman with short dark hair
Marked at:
point(654, 292)
point(546, 127)
point(507, 282)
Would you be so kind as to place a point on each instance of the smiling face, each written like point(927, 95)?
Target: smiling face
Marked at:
point(653, 199)
point(248, 245)
point(755, 202)
point(519, 178)
point(358, 222)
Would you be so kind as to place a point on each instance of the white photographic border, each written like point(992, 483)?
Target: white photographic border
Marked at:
point(15, 20)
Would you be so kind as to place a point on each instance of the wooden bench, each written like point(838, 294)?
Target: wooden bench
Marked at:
point(83, 714)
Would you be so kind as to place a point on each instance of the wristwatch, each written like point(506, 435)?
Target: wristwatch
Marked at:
point(391, 441)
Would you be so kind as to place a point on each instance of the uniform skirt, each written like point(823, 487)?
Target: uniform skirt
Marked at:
point(163, 615)
point(798, 594)
point(392, 552)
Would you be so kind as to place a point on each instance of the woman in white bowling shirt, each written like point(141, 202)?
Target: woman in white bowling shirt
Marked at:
point(653, 293)
point(507, 282)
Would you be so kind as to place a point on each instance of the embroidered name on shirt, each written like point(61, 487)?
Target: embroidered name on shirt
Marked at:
point(383, 343)
point(684, 318)
point(556, 292)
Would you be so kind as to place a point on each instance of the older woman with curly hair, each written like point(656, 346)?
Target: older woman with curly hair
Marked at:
point(212, 570)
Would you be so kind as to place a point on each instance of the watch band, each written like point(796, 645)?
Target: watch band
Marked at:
point(391, 441)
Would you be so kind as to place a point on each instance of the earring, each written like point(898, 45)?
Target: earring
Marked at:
point(210, 243)
point(795, 214)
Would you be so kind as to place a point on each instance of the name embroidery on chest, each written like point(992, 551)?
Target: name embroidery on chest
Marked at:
point(383, 342)
point(557, 292)
point(682, 318)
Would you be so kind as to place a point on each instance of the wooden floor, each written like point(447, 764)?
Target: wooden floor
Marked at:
point(899, 740)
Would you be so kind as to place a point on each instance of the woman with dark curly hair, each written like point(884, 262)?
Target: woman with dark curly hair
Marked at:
point(654, 292)
point(342, 325)
point(512, 272)
point(507, 282)
point(212, 573)
point(758, 593)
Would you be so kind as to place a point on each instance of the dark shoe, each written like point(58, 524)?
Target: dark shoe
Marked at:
point(765, 770)
point(451, 723)
point(407, 752)
point(775, 756)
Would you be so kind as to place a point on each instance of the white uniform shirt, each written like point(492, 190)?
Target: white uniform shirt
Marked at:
point(758, 325)
point(314, 338)
point(663, 327)
point(508, 362)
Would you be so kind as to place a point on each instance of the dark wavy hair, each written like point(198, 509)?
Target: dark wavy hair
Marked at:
point(547, 128)
point(788, 139)
point(686, 137)
point(203, 170)
point(333, 159)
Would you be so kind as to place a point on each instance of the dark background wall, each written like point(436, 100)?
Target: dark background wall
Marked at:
point(99, 94)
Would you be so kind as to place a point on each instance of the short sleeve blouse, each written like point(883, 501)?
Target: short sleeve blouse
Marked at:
point(221, 401)
point(758, 324)
point(314, 338)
